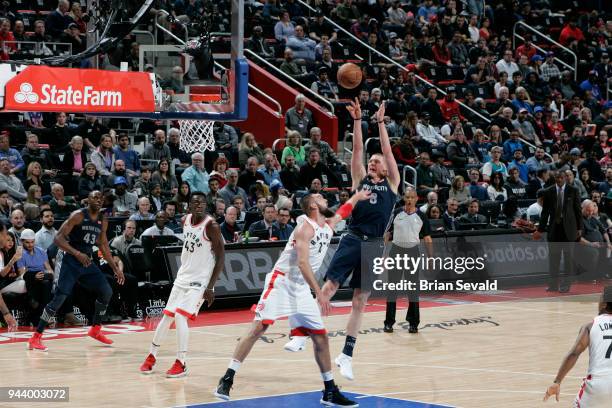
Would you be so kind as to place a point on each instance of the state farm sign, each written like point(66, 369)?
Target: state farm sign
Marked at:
point(47, 89)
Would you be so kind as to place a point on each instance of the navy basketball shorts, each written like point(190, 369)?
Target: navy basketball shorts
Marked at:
point(354, 255)
point(72, 270)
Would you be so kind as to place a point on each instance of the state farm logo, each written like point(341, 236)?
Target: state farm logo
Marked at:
point(52, 95)
point(25, 94)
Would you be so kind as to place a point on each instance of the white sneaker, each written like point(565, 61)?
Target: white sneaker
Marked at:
point(346, 366)
point(297, 343)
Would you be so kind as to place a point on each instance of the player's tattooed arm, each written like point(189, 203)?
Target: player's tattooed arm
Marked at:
point(581, 344)
point(303, 234)
point(213, 232)
point(107, 254)
point(61, 238)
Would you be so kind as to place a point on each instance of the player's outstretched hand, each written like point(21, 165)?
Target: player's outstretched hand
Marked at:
point(380, 114)
point(354, 109)
point(363, 194)
point(209, 297)
point(119, 276)
point(553, 389)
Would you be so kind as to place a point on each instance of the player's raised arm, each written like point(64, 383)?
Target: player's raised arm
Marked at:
point(303, 234)
point(358, 170)
point(213, 232)
point(107, 254)
point(61, 238)
point(385, 145)
point(345, 209)
point(582, 343)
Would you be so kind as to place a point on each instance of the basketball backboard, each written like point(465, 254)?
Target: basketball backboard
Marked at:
point(206, 89)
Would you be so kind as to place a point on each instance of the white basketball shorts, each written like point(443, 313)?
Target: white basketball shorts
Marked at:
point(185, 301)
point(596, 392)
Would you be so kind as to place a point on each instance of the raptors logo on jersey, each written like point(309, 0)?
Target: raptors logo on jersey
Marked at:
point(197, 260)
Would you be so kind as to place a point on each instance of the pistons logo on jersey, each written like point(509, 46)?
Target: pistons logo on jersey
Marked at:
point(192, 241)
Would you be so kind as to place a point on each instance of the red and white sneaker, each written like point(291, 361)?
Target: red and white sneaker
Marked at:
point(147, 367)
point(94, 333)
point(35, 342)
point(177, 370)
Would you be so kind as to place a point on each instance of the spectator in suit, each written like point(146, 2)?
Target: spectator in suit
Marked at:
point(472, 216)
point(451, 215)
point(229, 228)
point(540, 181)
point(284, 227)
point(58, 20)
point(155, 198)
point(268, 223)
point(257, 43)
point(159, 228)
point(562, 218)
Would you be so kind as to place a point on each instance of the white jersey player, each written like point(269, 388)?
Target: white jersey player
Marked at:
point(202, 260)
point(596, 389)
point(287, 293)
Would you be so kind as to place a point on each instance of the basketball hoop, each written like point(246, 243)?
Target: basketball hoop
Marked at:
point(196, 135)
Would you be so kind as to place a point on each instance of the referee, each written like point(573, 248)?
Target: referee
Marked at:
point(408, 227)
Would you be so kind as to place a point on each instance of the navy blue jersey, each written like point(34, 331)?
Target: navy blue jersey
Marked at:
point(85, 235)
point(370, 217)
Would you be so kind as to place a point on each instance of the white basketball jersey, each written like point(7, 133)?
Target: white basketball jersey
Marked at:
point(287, 261)
point(197, 259)
point(600, 346)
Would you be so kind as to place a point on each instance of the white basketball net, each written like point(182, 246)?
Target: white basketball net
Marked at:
point(196, 135)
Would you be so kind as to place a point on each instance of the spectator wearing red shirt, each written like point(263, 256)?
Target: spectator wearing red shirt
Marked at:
point(569, 32)
point(526, 49)
point(449, 106)
point(441, 53)
point(6, 35)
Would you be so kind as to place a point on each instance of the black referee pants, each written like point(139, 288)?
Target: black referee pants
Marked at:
point(413, 315)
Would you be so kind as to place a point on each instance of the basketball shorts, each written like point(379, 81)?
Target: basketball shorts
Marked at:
point(354, 255)
point(596, 392)
point(186, 302)
point(283, 297)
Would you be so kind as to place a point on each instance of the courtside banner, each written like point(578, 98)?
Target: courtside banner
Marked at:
point(50, 89)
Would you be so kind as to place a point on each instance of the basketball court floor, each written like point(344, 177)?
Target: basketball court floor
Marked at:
point(478, 350)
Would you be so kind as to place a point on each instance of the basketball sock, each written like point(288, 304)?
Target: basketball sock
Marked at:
point(43, 322)
point(349, 345)
point(182, 337)
point(233, 366)
point(99, 312)
point(160, 334)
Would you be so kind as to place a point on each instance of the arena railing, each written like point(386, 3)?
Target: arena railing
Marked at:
point(391, 61)
point(293, 81)
point(543, 51)
point(37, 49)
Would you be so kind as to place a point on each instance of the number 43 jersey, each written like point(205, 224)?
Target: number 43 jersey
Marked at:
point(317, 248)
point(85, 235)
point(197, 259)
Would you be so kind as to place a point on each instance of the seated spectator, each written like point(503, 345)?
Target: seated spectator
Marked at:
point(213, 194)
point(226, 141)
point(434, 212)
point(36, 270)
point(104, 157)
point(143, 214)
point(182, 198)
point(10, 280)
point(32, 152)
point(218, 212)
point(292, 69)
point(119, 170)
point(89, 181)
point(518, 162)
point(142, 186)
point(476, 190)
point(511, 145)
point(10, 183)
point(284, 28)
point(124, 152)
point(159, 228)
point(169, 208)
point(404, 150)
point(451, 215)
point(323, 86)
point(248, 147)
point(284, 227)
point(268, 223)
point(6, 206)
point(239, 203)
point(58, 20)
point(576, 183)
point(158, 149)
point(40, 33)
point(460, 153)
point(269, 171)
point(458, 51)
point(195, 175)
point(229, 228)
point(521, 101)
point(122, 242)
point(32, 203)
point(302, 46)
point(72, 35)
point(496, 189)
point(525, 127)
point(459, 191)
point(294, 148)
point(442, 176)
point(605, 187)
point(220, 167)
point(495, 165)
point(472, 216)
point(328, 156)
point(125, 202)
point(175, 81)
point(7, 39)
point(290, 174)
point(425, 176)
point(231, 189)
point(249, 175)
point(534, 210)
point(515, 185)
point(74, 159)
point(432, 199)
point(46, 234)
point(168, 182)
point(61, 205)
point(537, 161)
point(314, 169)
point(36, 177)
point(299, 118)
point(428, 133)
point(258, 44)
point(91, 129)
point(14, 158)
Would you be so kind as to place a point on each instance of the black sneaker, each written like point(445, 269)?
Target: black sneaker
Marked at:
point(388, 328)
point(413, 329)
point(334, 398)
point(223, 389)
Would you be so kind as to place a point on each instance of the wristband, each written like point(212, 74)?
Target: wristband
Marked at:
point(380, 121)
point(359, 118)
point(210, 290)
point(345, 210)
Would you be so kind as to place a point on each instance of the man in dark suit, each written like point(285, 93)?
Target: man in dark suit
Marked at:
point(562, 216)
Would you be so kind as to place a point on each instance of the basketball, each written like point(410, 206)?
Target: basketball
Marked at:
point(349, 75)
